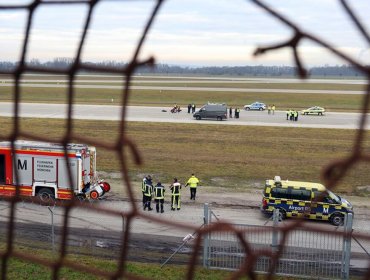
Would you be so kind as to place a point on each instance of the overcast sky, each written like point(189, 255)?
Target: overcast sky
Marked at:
point(186, 32)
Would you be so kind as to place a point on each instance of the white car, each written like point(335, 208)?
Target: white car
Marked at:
point(316, 110)
point(255, 106)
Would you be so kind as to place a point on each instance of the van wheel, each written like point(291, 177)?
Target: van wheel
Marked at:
point(337, 219)
point(260, 109)
point(46, 195)
point(247, 109)
point(198, 118)
point(219, 118)
point(282, 215)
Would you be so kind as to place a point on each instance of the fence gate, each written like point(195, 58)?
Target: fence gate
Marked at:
point(306, 254)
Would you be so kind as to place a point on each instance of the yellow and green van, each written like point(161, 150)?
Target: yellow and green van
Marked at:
point(304, 199)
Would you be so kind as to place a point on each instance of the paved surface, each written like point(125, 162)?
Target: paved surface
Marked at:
point(244, 210)
point(156, 114)
point(235, 207)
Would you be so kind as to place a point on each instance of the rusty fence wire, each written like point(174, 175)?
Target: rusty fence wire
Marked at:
point(124, 146)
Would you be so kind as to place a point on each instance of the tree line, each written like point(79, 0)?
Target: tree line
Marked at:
point(165, 69)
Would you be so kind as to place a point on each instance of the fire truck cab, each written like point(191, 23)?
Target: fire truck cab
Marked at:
point(41, 169)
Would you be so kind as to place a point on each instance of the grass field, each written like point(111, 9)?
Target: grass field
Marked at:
point(22, 270)
point(217, 84)
point(166, 98)
point(227, 156)
point(230, 156)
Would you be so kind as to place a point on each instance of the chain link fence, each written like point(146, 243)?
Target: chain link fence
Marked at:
point(306, 252)
point(94, 234)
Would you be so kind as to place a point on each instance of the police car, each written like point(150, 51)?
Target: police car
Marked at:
point(255, 106)
point(304, 199)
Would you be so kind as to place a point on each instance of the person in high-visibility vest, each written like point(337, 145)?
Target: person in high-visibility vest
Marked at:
point(193, 182)
point(291, 115)
point(148, 197)
point(295, 115)
point(159, 196)
point(175, 195)
point(273, 109)
point(237, 112)
point(146, 181)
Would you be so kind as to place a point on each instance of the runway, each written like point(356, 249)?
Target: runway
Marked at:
point(162, 114)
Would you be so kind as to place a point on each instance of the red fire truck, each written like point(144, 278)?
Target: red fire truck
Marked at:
point(42, 171)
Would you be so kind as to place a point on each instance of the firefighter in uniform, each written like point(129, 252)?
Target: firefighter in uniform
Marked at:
point(193, 182)
point(159, 196)
point(148, 197)
point(175, 195)
point(146, 181)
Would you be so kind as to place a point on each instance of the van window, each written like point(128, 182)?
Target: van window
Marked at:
point(279, 193)
point(334, 197)
point(300, 194)
point(327, 197)
point(291, 194)
point(319, 196)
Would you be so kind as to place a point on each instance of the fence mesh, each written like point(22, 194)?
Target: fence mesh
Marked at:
point(125, 147)
point(305, 254)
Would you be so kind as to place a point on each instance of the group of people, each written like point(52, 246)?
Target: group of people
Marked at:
point(271, 109)
point(191, 108)
point(236, 112)
point(157, 192)
point(176, 109)
point(292, 115)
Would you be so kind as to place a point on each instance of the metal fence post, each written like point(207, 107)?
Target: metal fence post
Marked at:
point(52, 228)
point(206, 237)
point(275, 232)
point(348, 223)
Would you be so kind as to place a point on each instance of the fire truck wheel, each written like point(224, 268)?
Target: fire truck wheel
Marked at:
point(94, 195)
point(46, 194)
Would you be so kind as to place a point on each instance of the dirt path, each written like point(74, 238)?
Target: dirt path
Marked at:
point(222, 197)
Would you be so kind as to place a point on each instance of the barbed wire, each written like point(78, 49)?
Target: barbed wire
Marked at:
point(124, 146)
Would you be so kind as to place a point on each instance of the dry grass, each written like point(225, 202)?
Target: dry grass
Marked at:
point(166, 98)
point(238, 155)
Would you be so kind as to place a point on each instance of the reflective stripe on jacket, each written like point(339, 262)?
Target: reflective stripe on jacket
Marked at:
point(143, 185)
point(175, 188)
point(159, 192)
point(148, 190)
